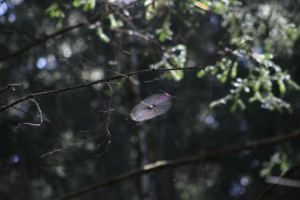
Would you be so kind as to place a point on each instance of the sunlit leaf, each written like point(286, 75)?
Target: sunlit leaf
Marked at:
point(284, 166)
point(257, 94)
point(214, 103)
point(201, 5)
point(162, 37)
point(102, 35)
point(200, 73)
point(256, 86)
point(87, 4)
point(265, 172)
point(293, 84)
point(252, 99)
point(281, 85)
point(234, 70)
point(150, 12)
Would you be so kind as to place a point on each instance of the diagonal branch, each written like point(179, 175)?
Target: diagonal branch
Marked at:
point(288, 172)
point(79, 25)
point(109, 80)
point(175, 163)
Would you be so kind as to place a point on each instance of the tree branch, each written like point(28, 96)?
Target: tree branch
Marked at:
point(9, 86)
point(79, 25)
point(175, 163)
point(109, 80)
point(288, 172)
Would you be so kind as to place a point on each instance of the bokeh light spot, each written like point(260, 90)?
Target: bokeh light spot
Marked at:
point(42, 62)
point(12, 18)
point(209, 120)
point(254, 163)
point(67, 53)
point(14, 158)
point(244, 181)
point(3, 8)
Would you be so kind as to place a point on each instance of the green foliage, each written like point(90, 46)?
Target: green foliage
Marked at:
point(87, 4)
point(157, 7)
point(102, 35)
point(115, 23)
point(277, 159)
point(261, 77)
point(54, 11)
point(265, 18)
point(165, 31)
point(174, 57)
point(263, 74)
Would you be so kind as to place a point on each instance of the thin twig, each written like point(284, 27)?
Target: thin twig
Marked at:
point(56, 131)
point(159, 165)
point(79, 25)
point(108, 80)
point(288, 172)
point(9, 86)
point(40, 113)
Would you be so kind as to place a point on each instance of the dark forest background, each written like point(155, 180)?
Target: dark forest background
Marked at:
point(76, 65)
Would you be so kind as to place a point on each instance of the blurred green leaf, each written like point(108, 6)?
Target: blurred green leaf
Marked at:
point(150, 12)
point(265, 172)
point(234, 70)
point(54, 11)
point(252, 99)
point(256, 86)
point(87, 4)
point(213, 104)
point(233, 107)
point(102, 35)
point(162, 37)
point(165, 30)
point(281, 85)
point(293, 84)
point(241, 104)
point(284, 166)
point(200, 73)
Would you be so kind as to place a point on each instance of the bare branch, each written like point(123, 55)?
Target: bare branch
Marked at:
point(62, 31)
point(9, 86)
point(163, 164)
point(109, 80)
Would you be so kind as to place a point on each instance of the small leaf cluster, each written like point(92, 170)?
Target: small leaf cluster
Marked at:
point(263, 74)
point(87, 4)
point(173, 57)
point(276, 159)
